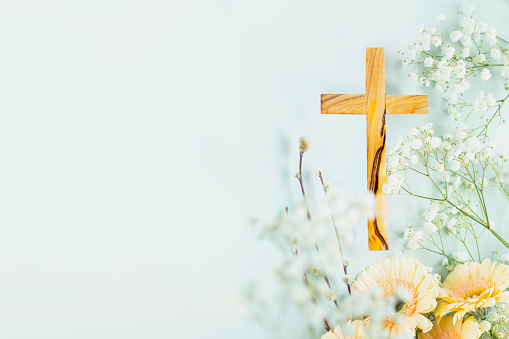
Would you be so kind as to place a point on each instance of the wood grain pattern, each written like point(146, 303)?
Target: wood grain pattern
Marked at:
point(375, 121)
point(343, 103)
point(406, 104)
point(375, 104)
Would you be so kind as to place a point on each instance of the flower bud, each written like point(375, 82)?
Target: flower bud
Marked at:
point(316, 271)
point(346, 279)
point(330, 295)
point(303, 144)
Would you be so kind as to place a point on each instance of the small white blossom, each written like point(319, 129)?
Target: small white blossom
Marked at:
point(485, 74)
point(441, 17)
point(435, 142)
point(439, 167)
point(413, 132)
point(490, 100)
point(413, 244)
point(452, 223)
point(430, 227)
point(465, 53)
point(428, 62)
point(427, 127)
point(495, 53)
point(466, 40)
point(416, 144)
point(468, 9)
point(480, 58)
point(491, 36)
point(454, 165)
point(408, 233)
point(460, 256)
point(448, 52)
point(417, 235)
point(436, 41)
point(429, 215)
point(455, 36)
point(484, 326)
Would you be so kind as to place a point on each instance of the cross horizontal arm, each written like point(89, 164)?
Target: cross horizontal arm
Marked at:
point(343, 104)
point(356, 104)
point(406, 104)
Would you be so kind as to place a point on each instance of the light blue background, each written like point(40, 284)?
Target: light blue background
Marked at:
point(138, 137)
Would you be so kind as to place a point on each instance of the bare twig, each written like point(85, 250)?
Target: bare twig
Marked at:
point(345, 268)
point(326, 278)
point(327, 327)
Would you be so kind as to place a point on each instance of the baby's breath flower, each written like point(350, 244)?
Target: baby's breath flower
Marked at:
point(430, 227)
point(435, 142)
point(485, 74)
point(485, 326)
point(461, 256)
point(468, 9)
point(455, 36)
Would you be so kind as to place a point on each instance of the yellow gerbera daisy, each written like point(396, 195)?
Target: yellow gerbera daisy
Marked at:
point(445, 328)
point(399, 273)
point(357, 327)
point(472, 286)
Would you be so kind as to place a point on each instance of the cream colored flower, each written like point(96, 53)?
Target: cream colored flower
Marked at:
point(472, 286)
point(397, 274)
point(445, 328)
point(356, 328)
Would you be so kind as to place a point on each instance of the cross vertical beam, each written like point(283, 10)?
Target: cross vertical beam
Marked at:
point(375, 123)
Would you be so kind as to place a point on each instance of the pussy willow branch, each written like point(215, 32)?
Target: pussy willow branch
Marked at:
point(327, 327)
point(326, 278)
point(345, 268)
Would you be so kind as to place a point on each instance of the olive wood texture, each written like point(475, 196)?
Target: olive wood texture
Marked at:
point(375, 104)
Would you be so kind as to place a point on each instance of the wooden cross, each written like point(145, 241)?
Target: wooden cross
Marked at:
point(375, 104)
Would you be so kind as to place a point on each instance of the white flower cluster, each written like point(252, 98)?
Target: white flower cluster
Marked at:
point(448, 62)
point(444, 156)
point(454, 164)
point(494, 322)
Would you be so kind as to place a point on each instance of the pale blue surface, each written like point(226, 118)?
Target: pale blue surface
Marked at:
point(138, 137)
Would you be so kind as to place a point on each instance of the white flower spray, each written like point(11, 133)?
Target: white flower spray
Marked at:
point(459, 165)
